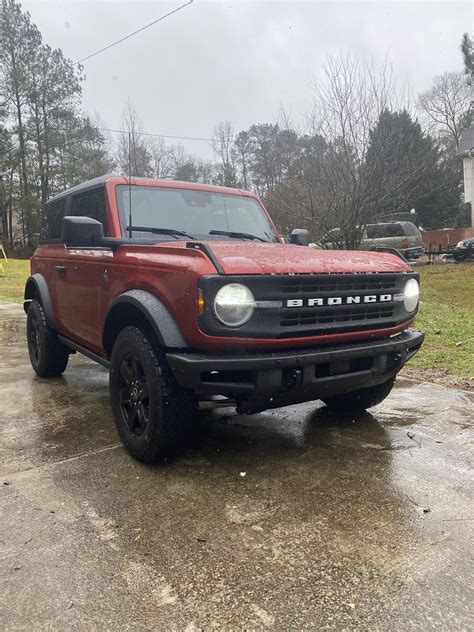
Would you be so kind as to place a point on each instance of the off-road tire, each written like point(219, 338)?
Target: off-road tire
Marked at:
point(357, 401)
point(48, 356)
point(155, 420)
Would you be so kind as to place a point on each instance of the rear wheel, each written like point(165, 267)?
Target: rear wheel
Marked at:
point(361, 399)
point(48, 356)
point(153, 414)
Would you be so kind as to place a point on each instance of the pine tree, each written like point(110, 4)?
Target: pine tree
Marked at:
point(407, 171)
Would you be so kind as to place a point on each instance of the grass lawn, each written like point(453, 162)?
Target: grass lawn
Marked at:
point(12, 281)
point(446, 313)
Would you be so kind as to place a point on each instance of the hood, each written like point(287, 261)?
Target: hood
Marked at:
point(264, 258)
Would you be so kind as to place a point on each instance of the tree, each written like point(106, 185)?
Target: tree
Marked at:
point(222, 143)
point(20, 42)
point(52, 96)
point(241, 153)
point(50, 142)
point(80, 152)
point(467, 51)
point(163, 159)
point(134, 155)
point(347, 104)
point(407, 171)
point(445, 106)
point(191, 169)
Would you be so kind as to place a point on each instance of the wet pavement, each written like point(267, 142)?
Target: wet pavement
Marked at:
point(291, 519)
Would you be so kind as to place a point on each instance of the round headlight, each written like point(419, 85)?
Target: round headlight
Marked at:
point(234, 304)
point(411, 295)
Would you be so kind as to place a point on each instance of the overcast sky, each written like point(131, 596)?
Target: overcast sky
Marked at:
point(241, 61)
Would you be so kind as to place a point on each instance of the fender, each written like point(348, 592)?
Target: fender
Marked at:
point(36, 286)
point(155, 312)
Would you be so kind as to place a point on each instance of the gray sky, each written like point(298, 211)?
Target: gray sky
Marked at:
point(241, 61)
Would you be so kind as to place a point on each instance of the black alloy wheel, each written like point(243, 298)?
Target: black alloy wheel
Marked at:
point(34, 338)
point(153, 414)
point(134, 395)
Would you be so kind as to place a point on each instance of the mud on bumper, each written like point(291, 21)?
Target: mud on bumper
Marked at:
point(268, 380)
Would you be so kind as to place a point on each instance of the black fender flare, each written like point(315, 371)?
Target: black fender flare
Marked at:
point(36, 286)
point(156, 313)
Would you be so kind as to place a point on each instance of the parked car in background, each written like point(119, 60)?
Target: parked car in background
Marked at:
point(403, 236)
point(464, 249)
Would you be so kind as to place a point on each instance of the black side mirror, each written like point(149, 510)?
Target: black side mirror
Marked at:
point(300, 237)
point(83, 232)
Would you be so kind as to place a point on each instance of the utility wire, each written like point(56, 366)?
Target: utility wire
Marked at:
point(121, 131)
point(147, 26)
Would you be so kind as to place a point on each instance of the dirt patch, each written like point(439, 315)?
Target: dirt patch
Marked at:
point(438, 376)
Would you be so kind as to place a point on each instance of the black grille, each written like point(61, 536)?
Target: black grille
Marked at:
point(337, 314)
point(339, 283)
point(307, 320)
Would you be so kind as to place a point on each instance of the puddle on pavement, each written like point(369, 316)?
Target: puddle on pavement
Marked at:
point(323, 501)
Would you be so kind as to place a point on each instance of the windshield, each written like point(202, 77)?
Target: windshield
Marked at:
point(196, 213)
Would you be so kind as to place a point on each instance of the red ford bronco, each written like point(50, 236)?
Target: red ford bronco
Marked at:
point(188, 295)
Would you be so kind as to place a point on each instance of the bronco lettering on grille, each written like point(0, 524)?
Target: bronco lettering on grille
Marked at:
point(338, 300)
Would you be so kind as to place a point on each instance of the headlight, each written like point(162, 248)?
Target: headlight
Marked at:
point(411, 295)
point(234, 304)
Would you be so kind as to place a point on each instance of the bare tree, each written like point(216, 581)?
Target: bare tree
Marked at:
point(347, 104)
point(163, 159)
point(445, 106)
point(222, 144)
point(134, 152)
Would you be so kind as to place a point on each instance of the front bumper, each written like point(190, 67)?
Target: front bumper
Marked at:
point(414, 252)
point(268, 380)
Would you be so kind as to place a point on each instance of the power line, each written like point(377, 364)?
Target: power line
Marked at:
point(121, 131)
point(147, 26)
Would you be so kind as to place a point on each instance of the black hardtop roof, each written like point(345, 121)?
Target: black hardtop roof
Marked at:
point(88, 184)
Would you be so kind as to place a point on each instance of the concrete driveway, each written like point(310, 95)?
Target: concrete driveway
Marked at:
point(291, 519)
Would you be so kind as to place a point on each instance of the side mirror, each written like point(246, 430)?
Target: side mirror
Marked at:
point(300, 237)
point(81, 231)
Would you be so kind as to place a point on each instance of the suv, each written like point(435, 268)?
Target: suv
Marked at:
point(403, 236)
point(186, 293)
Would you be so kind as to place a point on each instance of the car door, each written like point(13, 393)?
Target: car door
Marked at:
point(83, 275)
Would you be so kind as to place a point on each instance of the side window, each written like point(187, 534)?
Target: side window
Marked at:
point(380, 231)
point(51, 219)
point(91, 204)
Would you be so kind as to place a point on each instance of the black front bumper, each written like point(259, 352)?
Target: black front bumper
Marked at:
point(269, 380)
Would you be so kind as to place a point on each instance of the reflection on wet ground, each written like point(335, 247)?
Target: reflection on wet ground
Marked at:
point(293, 518)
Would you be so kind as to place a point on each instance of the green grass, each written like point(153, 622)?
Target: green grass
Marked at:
point(12, 280)
point(446, 313)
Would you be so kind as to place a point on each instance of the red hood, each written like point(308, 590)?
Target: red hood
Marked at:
point(263, 258)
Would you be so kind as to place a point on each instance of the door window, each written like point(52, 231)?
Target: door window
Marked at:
point(91, 204)
point(51, 220)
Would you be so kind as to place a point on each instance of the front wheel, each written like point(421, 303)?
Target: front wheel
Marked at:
point(48, 356)
point(361, 399)
point(153, 414)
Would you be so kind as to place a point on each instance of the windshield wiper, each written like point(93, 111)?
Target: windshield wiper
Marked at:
point(160, 231)
point(231, 233)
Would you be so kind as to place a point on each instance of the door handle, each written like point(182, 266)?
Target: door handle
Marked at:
point(60, 268)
